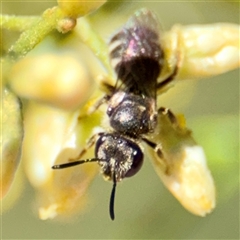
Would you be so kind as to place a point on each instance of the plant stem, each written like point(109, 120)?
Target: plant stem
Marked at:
point(32, 36)
point(17, 23)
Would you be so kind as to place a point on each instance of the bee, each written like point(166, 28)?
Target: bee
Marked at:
point(137, 58)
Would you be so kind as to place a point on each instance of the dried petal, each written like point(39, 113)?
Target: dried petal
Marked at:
point(183, 169)
point(66, 24)
point(12, 134)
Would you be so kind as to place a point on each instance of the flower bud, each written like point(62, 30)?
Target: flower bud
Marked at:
point(60, 81)
point(78, 8)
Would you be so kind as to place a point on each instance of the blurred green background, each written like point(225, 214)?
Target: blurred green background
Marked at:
point(144, 208)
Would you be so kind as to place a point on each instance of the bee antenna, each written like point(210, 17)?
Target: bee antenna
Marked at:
point(112, 198)
point(71, 164)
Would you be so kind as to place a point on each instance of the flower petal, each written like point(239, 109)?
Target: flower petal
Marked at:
point(54, 136)
point(12, 134)
point(204, 50)
point(183, 168)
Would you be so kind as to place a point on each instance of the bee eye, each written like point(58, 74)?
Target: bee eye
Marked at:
point(137, 161)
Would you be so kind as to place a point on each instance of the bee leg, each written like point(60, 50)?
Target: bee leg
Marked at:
point(97, 104)
point(169, 79)
point(91, 141)
point(156, 147)
point(108, 88)
point(158, 150)
point(166, 111)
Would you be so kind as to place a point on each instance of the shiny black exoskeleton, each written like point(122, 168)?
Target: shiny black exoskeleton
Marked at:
point(137, 58)
point(124, 156)
point(132, 114)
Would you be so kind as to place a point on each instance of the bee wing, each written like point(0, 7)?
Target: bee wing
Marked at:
point(136, 54)
point(183, 170)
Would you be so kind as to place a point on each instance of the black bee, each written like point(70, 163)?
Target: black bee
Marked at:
point(137, 57)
